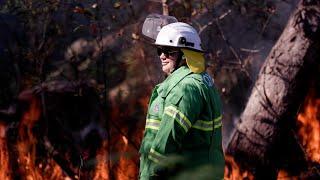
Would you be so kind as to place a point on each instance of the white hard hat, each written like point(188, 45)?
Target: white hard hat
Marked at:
point(180, 35)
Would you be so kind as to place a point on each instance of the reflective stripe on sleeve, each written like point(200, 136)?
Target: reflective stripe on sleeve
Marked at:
point(218, 122)
point(208, 125)
point(155, 156)
point(203, 125)
point(153, 124)
point(179, 117)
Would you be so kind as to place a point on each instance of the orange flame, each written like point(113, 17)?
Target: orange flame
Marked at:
point(102, 171)
point(26, 147)
point(4, 154)
point(27, 142)
point(124, 155)
point(284, 175)
point(232, 171)
point(29, 166)
point(123, 167)
point(309, 128)
point(126, 167)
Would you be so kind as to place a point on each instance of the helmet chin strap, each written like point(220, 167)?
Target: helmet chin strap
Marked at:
point(179, 60)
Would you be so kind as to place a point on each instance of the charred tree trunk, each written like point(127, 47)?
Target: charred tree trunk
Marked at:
point(277, 93)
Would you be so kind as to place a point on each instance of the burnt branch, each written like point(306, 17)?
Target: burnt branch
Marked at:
point(278, 92)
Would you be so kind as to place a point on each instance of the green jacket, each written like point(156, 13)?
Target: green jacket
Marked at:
point(183, 123)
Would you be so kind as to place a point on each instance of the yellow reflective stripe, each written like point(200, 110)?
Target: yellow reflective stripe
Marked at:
point(218, 125)
point(203, 125)
point(178, 116)
point(152, 127)
point(153, 124)
point(218, 122)
point(153, 159)
point(155, 156)
point(158, 154)
point(153, 120)
point(208, 125)
point(218, 119)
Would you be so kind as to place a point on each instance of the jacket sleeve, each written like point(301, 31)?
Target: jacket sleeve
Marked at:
point(182, 108)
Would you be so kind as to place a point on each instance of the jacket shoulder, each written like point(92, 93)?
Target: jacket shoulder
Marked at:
point(192, 81)
point(188, 86)
point(203, 79)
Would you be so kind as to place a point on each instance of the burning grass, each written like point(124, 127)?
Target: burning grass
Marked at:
point(233, 171)
point(309, 126)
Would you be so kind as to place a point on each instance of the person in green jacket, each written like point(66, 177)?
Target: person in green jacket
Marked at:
point(183, 124)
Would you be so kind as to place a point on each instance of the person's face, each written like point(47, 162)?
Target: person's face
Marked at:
point(168, 57)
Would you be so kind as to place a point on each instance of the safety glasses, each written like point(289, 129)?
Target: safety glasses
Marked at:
point(166, 51)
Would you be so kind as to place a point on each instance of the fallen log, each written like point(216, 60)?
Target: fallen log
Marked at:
point(280, 88)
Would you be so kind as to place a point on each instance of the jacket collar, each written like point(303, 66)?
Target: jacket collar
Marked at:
point(172, 80)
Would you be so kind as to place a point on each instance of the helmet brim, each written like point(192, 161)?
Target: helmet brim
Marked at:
point(180, 47)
